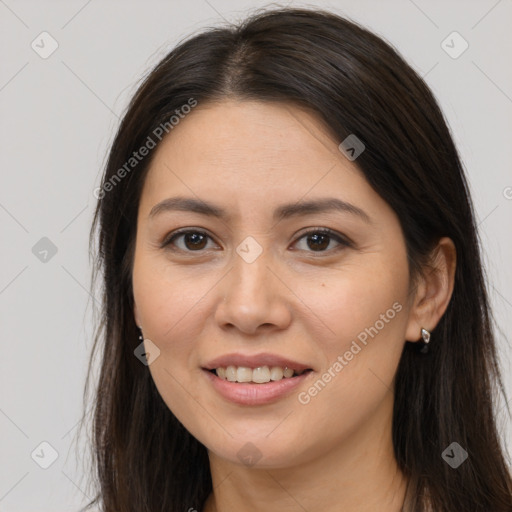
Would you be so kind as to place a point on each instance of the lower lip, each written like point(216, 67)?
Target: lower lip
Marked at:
point(255, 394)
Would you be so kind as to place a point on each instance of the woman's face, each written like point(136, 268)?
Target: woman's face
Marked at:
point(253, 288)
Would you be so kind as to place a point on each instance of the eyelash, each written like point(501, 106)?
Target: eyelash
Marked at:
point(343, 241)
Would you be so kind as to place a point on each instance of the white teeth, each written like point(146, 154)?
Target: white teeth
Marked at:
point(260, 375)
point(243, 374)
point(230, 373)
point(288, 372)
point(276, 373)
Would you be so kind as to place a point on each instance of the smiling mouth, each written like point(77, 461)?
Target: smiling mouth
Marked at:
point(259, 375)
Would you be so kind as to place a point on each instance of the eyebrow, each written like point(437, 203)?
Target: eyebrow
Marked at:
point(283, 212)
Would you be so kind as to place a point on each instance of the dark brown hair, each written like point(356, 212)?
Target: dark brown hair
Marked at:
point(144, 459)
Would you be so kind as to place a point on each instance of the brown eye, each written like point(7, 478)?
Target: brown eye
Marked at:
point(320, 240)
point(191, 240)
point(194, 241)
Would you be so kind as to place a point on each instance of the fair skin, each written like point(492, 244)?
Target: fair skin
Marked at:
point(295, 299)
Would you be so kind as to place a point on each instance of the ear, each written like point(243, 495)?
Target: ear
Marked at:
point(433, 291)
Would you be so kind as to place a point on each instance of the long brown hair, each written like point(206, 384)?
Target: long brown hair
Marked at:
point(144, 459)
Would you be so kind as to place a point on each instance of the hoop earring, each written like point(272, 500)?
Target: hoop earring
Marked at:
point(425, 336)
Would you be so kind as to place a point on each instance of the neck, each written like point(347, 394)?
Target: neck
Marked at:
point(360, 475)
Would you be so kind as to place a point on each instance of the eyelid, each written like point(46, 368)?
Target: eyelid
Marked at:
point(327, 231)
point(183, 231)
point(343, 240)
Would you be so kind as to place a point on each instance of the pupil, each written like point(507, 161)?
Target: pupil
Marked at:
point(195, 240)
point(319, 238)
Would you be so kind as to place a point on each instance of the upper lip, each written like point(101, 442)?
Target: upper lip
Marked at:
point(254, 361)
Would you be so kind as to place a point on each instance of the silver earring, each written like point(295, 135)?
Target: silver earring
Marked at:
point(141, 338)
point(425, 336)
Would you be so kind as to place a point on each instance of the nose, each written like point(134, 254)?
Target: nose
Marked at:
point(255, 299)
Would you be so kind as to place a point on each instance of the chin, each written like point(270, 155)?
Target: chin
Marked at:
point(256, 451)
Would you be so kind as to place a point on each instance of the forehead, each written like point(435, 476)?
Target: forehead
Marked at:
point(252, 153)
point(274, 122)
point(230, 131)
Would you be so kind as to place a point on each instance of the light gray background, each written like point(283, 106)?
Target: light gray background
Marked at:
point(58, 117)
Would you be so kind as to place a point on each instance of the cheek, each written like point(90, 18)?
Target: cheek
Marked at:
point(167, 300)
point(171, 307)
point(365, 310)
point(358, 303)
point(366, 314)
point(172, 311)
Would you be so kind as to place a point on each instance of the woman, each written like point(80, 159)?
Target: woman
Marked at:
point(295, 313)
